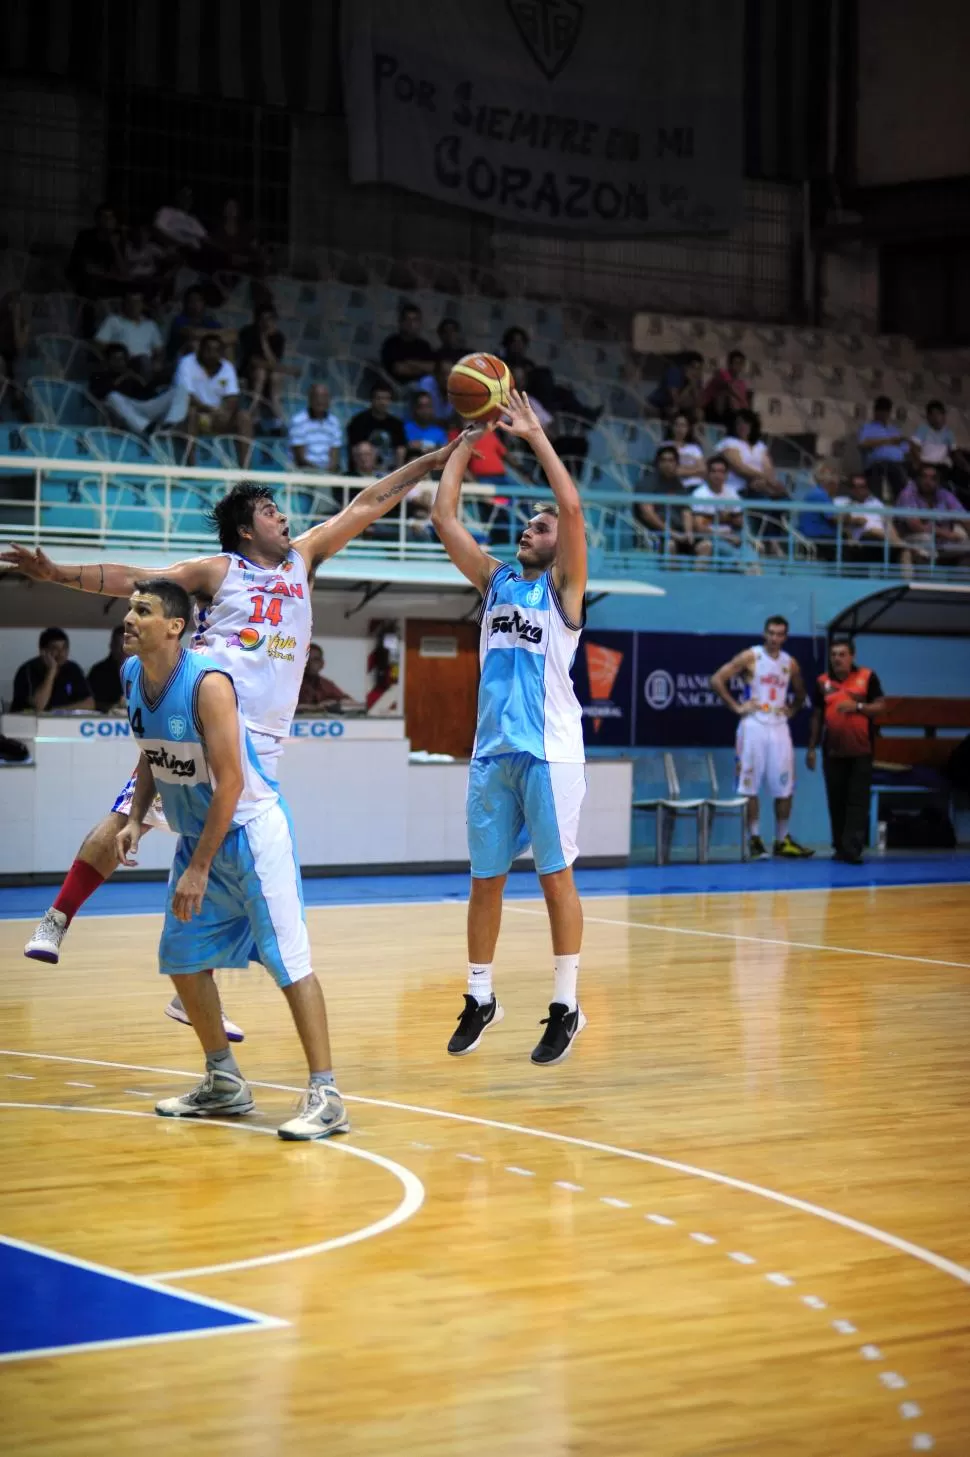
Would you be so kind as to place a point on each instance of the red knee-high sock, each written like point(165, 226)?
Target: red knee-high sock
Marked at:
point(81, 881)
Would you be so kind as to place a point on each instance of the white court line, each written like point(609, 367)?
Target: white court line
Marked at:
point(752, 940)
point(744, 1186)
point(513, 903)
point(410, 1204)
point(255, 1319)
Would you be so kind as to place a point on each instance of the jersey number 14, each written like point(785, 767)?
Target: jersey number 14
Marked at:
point(263, 612)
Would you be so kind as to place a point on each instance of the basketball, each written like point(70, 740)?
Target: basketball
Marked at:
point(479, 386)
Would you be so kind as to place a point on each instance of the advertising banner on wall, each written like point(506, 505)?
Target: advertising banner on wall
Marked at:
point(604, 674)
point(590, 116)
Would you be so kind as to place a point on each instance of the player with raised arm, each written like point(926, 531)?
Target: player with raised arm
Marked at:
point(764, 743)
point(234, 889)
point(253, 617)
point(527, 777)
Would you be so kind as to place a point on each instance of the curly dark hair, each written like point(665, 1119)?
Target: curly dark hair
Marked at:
point(235, 511)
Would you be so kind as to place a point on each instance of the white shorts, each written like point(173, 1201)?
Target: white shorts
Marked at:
point(764, 753)
point(267, 746)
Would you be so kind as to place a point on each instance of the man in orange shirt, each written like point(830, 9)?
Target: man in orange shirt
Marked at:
point(846, 700)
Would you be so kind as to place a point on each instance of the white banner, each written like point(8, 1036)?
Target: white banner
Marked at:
point(596, 116)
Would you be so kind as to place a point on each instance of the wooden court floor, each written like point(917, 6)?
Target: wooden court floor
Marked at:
point(736, 1223)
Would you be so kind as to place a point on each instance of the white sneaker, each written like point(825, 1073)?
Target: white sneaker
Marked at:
point(218, 1095)
point(45, 943)
point(322, 1113)
point(177, 1012)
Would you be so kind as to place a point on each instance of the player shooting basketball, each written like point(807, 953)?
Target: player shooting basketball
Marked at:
point(527, 778)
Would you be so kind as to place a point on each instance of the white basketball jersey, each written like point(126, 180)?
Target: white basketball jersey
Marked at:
point(768, 687)
point(258, 627)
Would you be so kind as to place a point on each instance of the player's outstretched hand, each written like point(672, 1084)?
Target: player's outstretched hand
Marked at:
point(126, 843)
point(189, 893)
point(33, 564)
point(520, 418)
point(437, 459)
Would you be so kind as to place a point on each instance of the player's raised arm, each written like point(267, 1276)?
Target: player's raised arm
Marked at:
point(199, 576)
point(740, 663)
point(457, 540)
point(219, 721)
point(373, 502)
point(570, 571)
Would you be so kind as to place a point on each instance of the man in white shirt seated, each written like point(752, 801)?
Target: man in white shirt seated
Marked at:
point(212, 387)
point(179, 224)
point(864, 529)
point(716, 512)
point(315, 436)
point(139, 334)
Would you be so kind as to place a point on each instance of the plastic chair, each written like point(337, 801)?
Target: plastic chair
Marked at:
point(733, 804)
point(117, 445)
point(60, 402)
point(654, 797)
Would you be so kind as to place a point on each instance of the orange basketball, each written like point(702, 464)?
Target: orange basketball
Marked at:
point(478, 387)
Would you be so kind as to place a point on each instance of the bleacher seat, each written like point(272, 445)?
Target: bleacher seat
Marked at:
point(105, 443)
point(61, 402)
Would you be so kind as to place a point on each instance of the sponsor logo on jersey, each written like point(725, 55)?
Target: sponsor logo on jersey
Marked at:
point(247, 638)
point(534, 597)
point(515, 625)
point(279, 646)
point(178, 768)
point(177, 726)
point(279, 588)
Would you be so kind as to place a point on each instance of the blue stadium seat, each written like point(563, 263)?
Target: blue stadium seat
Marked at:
point(60, 402)
point(118, 445)
point(270, 455)
point(55, 442)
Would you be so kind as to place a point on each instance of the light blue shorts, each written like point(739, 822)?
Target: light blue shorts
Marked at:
point(253, 906)
point(515, 800)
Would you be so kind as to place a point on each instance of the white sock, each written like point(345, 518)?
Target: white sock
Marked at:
point(566, 969)
point(480, 981)
point(754, 826)
point(781, 828)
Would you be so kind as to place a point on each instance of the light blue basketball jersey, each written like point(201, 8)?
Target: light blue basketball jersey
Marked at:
point(169, 734)
point(526, 700)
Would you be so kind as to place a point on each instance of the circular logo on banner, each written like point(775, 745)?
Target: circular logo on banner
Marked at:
point(659, 689)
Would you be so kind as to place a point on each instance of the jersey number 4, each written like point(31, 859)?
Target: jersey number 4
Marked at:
point(137, 727)
point(263, 612)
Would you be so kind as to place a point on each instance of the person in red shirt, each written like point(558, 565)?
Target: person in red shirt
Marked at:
point(316, 691)
point(727, 392)
point(846, 700)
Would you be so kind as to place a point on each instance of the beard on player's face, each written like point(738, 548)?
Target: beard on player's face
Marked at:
point(537, 548)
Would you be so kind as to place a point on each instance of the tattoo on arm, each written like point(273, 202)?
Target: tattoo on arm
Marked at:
point(75, 580)
point(393, 491)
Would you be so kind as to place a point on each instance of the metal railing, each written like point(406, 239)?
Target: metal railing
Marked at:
point(99, 505)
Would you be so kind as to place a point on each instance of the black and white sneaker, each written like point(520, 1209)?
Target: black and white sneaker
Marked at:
point(471, 1025)
point(562, 1028)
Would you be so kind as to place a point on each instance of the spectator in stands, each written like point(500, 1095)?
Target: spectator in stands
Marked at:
point(363, 459)
point(139, 334)
point(865, 528)
point(671, 527)
point(451, 341)
point(316, 691)
point(14, 336)
point(934, 443)
point(235, 244)
point(315, 436)
point(129, 396)
point(717, 519)
point(421, 431)
point(262, 345)
point(179, 225)
point(884, 446)
point(681, 388)
point(212, 387)
point(95, 268)
point(751, 472)
point(381, 429)
point(927, 539)
point(727, 391)
point(436, 385)
point(104, 679)
point(845, 701)
point(487, 463)
point(148, 265)
point(514, 349)
point(50, 680)
point(690, 455)
point(405, 355)
point(821, 527)
point(195, 320)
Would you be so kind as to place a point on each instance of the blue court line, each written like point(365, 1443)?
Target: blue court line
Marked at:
point(121, 898)
point(55, 1304)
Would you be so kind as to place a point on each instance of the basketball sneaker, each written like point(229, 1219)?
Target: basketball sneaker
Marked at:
point(321, 1114)
point(218, 1095)
point(791, 850)
point(562, 1028)
point(45, 943)
point(472, 1023)
point(757, 849)
point(177, 1012)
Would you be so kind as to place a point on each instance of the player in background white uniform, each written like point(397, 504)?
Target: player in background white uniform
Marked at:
point(253, 617)
point(764, 746)
point(527, 777)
